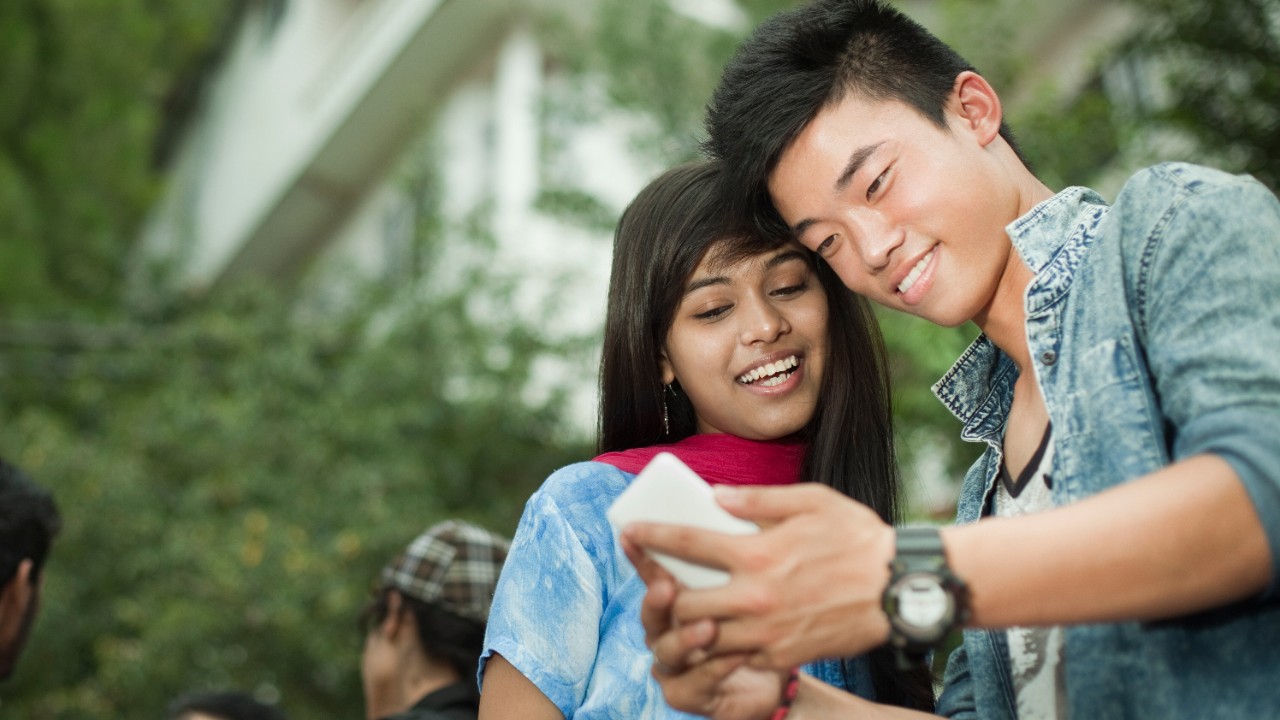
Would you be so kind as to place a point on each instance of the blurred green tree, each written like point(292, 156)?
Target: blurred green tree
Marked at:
point(82, 82)
point(234, 476)
point(1210, 72)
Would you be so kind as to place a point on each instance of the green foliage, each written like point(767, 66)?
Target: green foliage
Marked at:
point(233, 478)
point(1069, 147)
point(234, 470)
point(1221, 67)
point(626, 54)
point(81, 82)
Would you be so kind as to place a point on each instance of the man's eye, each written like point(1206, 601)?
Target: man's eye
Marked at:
point(825, 245)
point(875, 184)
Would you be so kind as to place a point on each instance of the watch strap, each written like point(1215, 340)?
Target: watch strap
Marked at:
point(920, 549)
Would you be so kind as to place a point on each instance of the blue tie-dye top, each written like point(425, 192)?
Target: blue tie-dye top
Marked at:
point(566, 612)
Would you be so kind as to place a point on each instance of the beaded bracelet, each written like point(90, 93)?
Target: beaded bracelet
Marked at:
point(788, 695)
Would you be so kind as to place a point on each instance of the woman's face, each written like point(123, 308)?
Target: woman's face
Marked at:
point(748, 343)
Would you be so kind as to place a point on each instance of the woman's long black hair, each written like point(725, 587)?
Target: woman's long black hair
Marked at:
point(661, 237)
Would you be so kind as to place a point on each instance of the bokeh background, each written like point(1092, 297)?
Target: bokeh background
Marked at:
point(283, 282)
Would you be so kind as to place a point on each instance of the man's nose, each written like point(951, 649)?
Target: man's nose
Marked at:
point(875, 238)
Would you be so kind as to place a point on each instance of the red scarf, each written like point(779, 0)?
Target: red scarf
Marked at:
point(723, 459)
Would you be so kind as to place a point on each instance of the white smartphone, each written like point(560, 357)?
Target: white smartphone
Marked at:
point(667, 491)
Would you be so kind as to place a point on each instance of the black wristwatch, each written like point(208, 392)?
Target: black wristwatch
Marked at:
point(924, 600)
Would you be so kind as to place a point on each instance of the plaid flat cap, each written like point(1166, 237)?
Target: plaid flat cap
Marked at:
point(453, 565)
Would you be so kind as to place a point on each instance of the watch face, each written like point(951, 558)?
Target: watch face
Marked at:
point(922, 602)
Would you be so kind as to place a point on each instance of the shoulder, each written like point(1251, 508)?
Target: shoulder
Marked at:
point(1168, 188)
point(1176, 210)
point(571, 506)
point(584, 480)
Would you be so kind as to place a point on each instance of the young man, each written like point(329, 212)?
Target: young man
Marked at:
point(1126, 385)
point(425, 625)
point(29, 522)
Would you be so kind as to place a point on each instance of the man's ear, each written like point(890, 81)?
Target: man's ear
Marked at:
point(15, 596)
point(393, 622)
point(975, 106)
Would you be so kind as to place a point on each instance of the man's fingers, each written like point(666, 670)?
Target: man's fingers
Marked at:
point(771, 505)
point(703, 547)
point(677, 649)
point(648, 570)
point(655, 609)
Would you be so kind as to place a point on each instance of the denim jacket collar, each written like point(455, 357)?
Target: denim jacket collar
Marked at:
point(1052, 238)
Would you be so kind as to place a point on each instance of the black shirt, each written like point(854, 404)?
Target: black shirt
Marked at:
point(458, 701)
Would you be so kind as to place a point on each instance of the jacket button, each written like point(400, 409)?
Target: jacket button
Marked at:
point(1048, 357)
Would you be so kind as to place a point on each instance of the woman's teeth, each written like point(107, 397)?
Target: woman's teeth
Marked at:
point(775, 373)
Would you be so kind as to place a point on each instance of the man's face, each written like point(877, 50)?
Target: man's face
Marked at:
point(909, 214)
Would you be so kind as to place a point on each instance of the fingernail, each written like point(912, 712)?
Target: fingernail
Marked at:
point(728, 493)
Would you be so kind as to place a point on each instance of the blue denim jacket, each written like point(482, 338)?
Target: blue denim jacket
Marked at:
point(1154, 329)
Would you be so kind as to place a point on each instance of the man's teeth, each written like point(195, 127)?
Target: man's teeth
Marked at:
point(775, 373)
point(914, 275)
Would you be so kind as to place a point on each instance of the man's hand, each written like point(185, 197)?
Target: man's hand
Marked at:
point(807, 586)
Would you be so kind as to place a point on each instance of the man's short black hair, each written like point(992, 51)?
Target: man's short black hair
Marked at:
point(802, 60)
point(29, 521)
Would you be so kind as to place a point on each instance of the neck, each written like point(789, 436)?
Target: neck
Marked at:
point(424, 685)
point(1004, 319)
point(414, 682)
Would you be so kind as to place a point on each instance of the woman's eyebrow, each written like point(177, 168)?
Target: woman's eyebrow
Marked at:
point(785, 257)
point(780, 259)
point(706, 282)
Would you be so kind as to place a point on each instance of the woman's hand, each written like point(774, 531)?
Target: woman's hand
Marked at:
point(807, 586)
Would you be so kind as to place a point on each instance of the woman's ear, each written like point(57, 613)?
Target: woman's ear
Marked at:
point(665, 367)
point(975, 106)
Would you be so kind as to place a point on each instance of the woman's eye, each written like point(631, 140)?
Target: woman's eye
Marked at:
point(792, 289)
point(713, 313)
point(825, 245)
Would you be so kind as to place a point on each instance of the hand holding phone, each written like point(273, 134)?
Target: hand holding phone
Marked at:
point(667, 491)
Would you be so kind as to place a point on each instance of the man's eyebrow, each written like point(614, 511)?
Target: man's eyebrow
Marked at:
point(857, 159)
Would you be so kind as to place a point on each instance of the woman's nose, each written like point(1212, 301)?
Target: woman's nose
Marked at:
point(762, 322)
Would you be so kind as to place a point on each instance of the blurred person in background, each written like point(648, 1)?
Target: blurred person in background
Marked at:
point(226, 705)
point(29, 522)
point(424, 628)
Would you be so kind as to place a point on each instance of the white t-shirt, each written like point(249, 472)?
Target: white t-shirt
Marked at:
point(1035, 653)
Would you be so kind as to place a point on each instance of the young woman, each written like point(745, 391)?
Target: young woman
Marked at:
point(757, 368)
